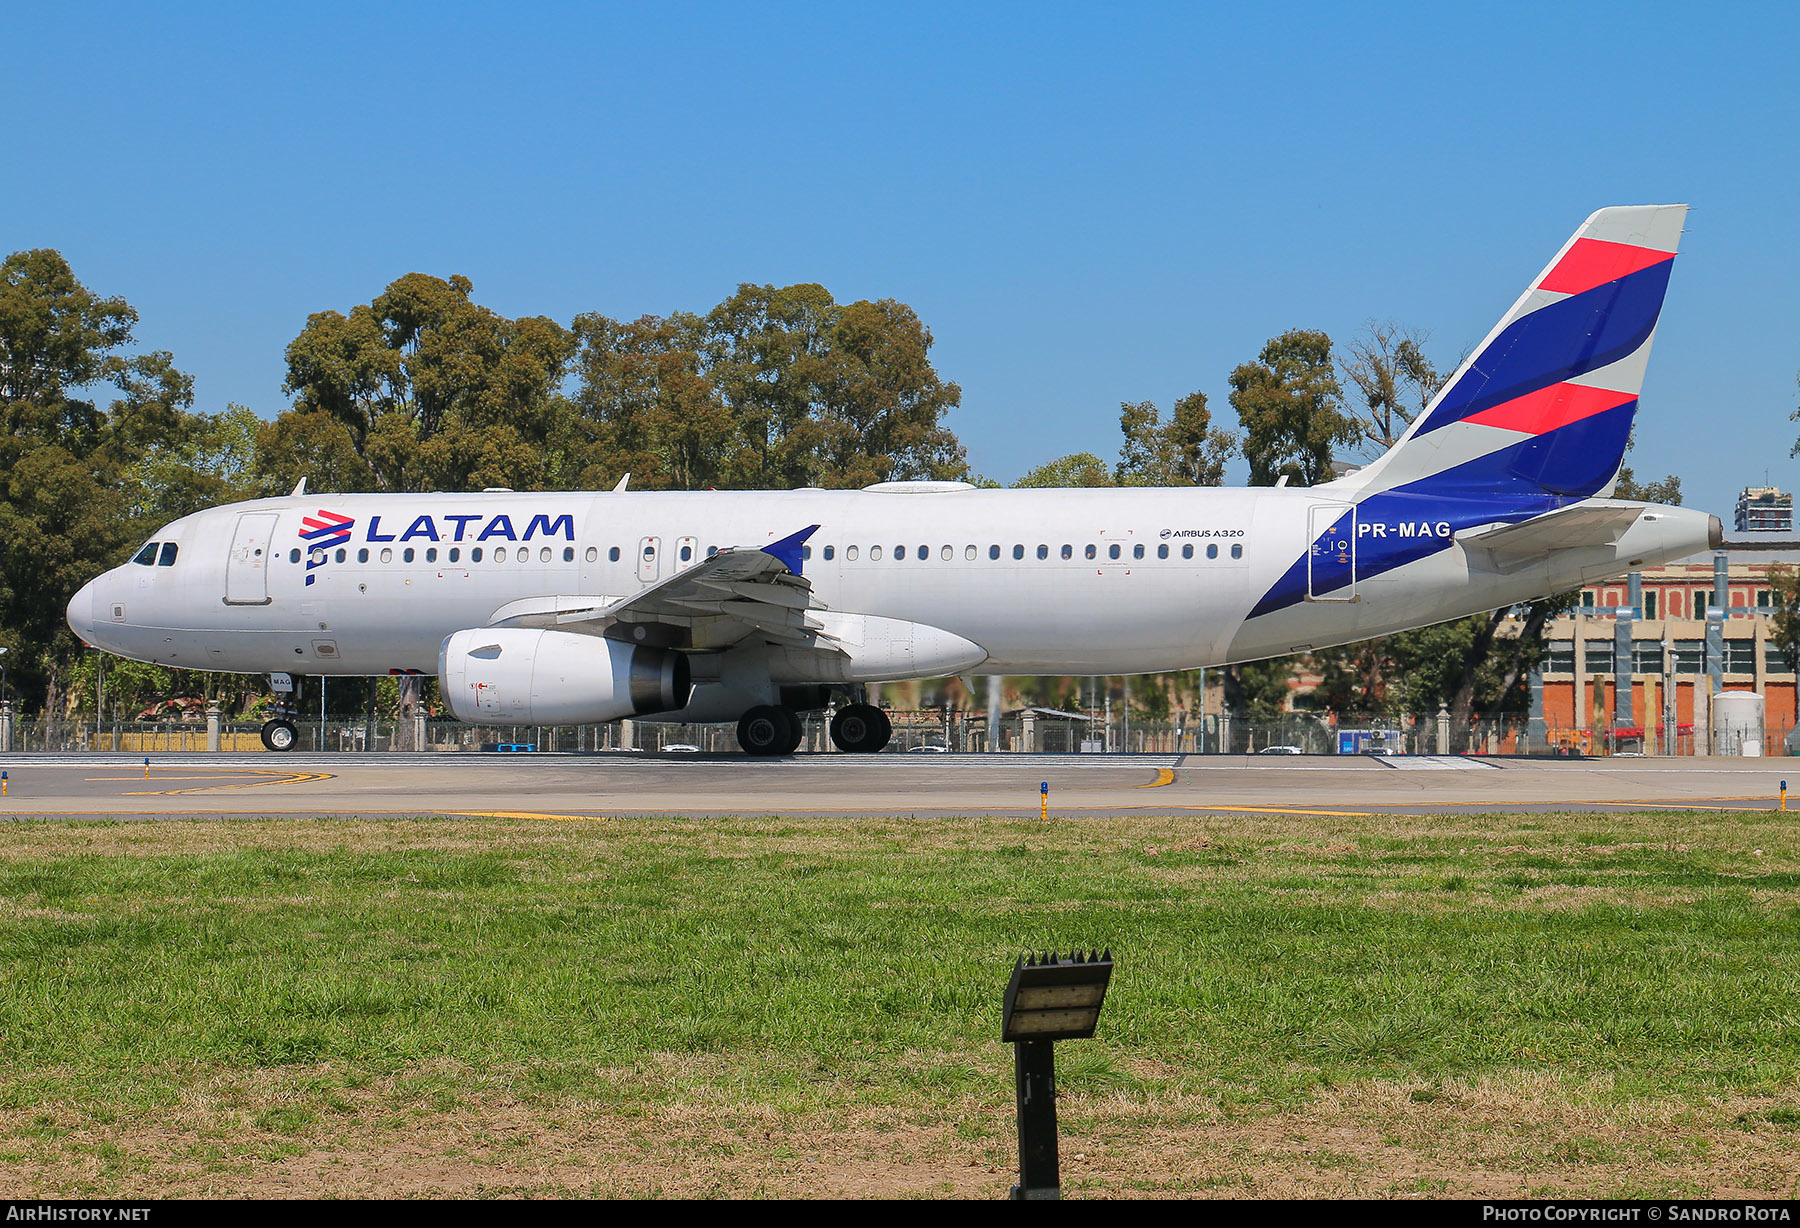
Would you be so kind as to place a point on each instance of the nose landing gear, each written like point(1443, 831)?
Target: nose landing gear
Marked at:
point(280, 735)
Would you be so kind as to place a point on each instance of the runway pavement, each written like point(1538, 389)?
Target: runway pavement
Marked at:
point(582, 786)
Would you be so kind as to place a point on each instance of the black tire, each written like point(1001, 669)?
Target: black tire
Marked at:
point(796, 731)
point(861, 729)
point(280, 735)
point(768, 730)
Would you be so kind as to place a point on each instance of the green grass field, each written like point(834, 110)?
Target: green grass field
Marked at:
point(1305, 1005)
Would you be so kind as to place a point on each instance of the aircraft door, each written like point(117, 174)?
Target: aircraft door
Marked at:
point(649, 558)
point(687, 552)
point(1331, 558)
point(247, 567)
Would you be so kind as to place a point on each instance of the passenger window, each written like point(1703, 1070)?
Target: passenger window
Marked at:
point(455, 553)
point(406, 555)
point(593, 554)
point(1043, 552)
point(924, 553)
point(475, 555)
point(993, 552)
point(899, 553)
point(1237, 551)
point(946, 552)
point(1137, 552)
point(568, 554)
point(362, 556)
point(805, 552)
point(146, 556)
point(711, 550)
point(430, 554)
point(830, 551)
point(1018, 552)
point(1068, 551)
point(387, 554)
point(168, 555)
point(342, 554)
point(687, 553)
point(874, 553)
point(293, 556)
point(850, 553)
point(544, 555)
point(1212, 551)
point(1162, 552)
point(612, 556)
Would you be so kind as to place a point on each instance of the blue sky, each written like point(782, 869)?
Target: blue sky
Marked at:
point(1085, 205)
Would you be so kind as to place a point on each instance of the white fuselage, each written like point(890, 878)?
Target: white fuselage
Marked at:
point(1110, 581)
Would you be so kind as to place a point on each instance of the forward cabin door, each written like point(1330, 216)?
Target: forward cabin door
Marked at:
point(1331, 559)
point(247, 567)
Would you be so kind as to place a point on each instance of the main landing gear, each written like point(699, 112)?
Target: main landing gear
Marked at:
point(861, 729)
point(772, 729)
point(280, 735)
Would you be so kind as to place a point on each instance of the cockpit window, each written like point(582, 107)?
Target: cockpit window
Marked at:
point(146, 556)
point(169, 550)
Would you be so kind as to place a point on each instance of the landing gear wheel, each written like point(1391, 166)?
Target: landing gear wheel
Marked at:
point(280, 735)
point(768, 730)
point(861, 729)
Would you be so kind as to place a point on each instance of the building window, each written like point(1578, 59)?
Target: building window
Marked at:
point(1598, 656)
point(1701, 599)
point(1646, 657)
point(1587, 598)
point(1561, 658)
point(1688, 657)
point(1774, 660)
point(1649, 606)
point(1740, 656)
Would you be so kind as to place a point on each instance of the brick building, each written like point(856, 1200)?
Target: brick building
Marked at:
point(1638, 662)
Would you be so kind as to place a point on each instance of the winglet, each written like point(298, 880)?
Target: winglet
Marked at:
point(787, 550)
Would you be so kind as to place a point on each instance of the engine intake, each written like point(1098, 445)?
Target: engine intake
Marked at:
point(524, 676)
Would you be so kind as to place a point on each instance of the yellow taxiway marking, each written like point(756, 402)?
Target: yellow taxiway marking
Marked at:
point(213, 776)
point(1164, 776)
point(1340, 814)
point(284, 778)
point(529, 814)
point(1684, 804)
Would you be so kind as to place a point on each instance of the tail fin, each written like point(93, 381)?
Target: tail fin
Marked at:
point(1542, 410)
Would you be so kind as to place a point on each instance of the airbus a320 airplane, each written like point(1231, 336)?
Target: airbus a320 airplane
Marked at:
point(571, 608)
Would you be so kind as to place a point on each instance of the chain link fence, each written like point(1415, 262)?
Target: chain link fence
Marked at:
point(922, 732)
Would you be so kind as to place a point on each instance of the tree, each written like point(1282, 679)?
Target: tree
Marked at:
point(421, 389)
point(1291, 410)
point(1185, 451)
point(1076, 469)
point(1394, 380)
point(1784, 627)
point(69, 503)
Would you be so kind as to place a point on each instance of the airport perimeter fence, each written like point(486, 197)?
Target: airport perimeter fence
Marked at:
point(924, 732)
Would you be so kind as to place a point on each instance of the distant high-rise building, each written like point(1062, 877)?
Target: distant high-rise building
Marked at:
point(1764, 509)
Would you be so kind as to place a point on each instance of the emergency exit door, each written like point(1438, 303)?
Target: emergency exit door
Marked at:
point(1331, 559)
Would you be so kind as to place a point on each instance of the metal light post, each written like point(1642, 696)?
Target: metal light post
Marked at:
point(1049, 998)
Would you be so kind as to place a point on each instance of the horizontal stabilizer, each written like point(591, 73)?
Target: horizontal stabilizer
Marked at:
point(1568, 529)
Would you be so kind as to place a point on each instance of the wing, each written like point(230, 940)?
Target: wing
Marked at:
point(718, 602)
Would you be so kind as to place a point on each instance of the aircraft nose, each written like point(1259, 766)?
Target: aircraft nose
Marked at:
point(81, 612)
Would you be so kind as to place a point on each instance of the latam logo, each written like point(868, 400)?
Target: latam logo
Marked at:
point(457, 528)
point(320, 531)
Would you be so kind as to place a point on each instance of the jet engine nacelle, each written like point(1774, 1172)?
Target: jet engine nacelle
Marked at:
point(525, 676)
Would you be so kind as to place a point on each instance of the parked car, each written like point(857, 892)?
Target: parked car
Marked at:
point(683, 747)
point(928, 749)
point(1281, 750)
